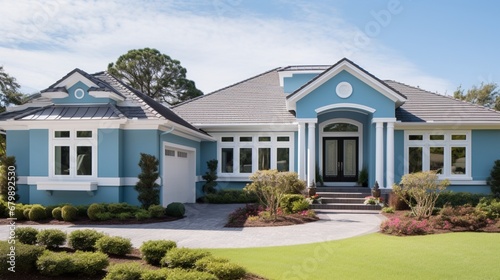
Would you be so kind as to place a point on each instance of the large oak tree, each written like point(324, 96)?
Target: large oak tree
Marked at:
point(485, 95)
point(155, 74)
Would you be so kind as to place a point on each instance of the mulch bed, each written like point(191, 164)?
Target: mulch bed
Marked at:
point(284, 220)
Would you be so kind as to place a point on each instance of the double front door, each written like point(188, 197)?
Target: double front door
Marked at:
point(340, 159)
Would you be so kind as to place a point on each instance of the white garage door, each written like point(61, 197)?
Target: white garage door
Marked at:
point(178, 175)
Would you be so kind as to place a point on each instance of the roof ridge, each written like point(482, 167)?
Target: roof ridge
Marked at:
point(224, 88)
point(447, 97)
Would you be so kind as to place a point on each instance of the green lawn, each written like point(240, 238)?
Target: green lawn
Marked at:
point(378, 256)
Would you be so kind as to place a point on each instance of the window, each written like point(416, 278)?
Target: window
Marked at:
point(247, 154)
point(340, 127)
point(73, 153)
point(447, 153)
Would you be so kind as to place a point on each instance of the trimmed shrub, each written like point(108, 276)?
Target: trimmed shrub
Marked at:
point(26, 212)
point(114, 245)
point(51, 238)
point(142, 214)
point(286, 202)
point(175, 209)
point(154, 250)
point(94, 209)
point(156, 211)
point(202, 263)
point(157, 274)
point(231, 196)
point(19, 213)
point(84, 239)
point(48, 210)
point(124, 216)
point(55, 264)
point(225, 270)
point(25, 257)
point(69, 213)
point(26, 235)
point(125, 271)
point(36, 213)
point(182, 257)
point(82, 210)
point(104, 216)
point(57, 213)
point(458, 199)
point(123, 207)
point(397, 226)
point(464, 216)
point(90, 263)
point(181, 274)
point(491, 207)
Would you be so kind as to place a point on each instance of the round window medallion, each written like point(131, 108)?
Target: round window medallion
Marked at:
point(79, 93)
point(344, 89)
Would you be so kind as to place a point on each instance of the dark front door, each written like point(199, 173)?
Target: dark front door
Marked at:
point(340, 159)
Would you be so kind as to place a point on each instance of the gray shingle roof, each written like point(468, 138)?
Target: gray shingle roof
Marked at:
point(259, 99)
point(425, 106)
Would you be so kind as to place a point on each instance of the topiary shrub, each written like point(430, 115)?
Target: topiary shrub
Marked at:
point(147, 188)
point(37, 213)
point(156, 211)
point(210, 177)
point(51, 238)
point(182, 257)
point(25, 257)
point(494, 179)
point(154, 250)
point(55, 264)
point(142, 215)
point(84, 239)
point(175, 209)
point(69, 213)
point(114, 245)
point(125, 271)
point(26, 235)
point(94, 209)
point(57, 213)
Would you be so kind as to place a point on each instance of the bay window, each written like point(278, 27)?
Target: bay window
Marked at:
point(445, 152)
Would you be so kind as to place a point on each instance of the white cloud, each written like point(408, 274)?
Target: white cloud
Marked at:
point(218, 45)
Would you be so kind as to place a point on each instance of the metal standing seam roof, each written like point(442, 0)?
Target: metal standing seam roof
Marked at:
point(425, 106)
point(55, 112)
point(259, 99)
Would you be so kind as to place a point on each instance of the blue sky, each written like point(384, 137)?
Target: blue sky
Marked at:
point(436, 45)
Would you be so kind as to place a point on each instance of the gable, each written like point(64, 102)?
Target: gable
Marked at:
point(360, 87)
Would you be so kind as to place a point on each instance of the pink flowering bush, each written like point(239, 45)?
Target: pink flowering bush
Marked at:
point(397, 226)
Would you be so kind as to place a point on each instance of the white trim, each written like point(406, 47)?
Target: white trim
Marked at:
point(379, 154)
point(236, 145)
point(447, 125)
point(307, 120)
point(79, 93)
point(358, 134)
point(27, 105)
point(301, 145)
point(311, 154)
point(389, 173)
point(66, 186)
point(54, 94)
point(75, 78)
point(447, 144)
point(343, 90)
point(353, 70)
point(106, 94)
point(100, 181)
point(345, 105)
point(385, 120)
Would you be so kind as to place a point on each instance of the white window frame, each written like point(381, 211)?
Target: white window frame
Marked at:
point(73, 142)
point(447, 144)
point(254, 145)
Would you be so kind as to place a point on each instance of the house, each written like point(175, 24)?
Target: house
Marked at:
point(80, 140)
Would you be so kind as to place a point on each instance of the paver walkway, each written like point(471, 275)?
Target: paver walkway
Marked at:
point(203, 227)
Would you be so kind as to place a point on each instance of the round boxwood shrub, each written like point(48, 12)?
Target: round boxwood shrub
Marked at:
point(84, 239)
point(156, 211)
point(90, 263)
point(225, 270)
point(142, 214)
point(26, 256)
point(82, 210)
point(182, 257)
point(57, 213)
point(152, 251)
point(48, 210)
point(95, 209)
point(69, 213)
point(36, 213)
point(114, 245)
point(175, 209)
point(86, 263)
point(51, 238)
point(176, 274)
point(26, 235)
point(19, 213)
point(125, 271)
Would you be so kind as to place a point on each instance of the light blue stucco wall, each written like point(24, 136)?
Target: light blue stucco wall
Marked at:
point(362, 94)
point(39, 152)
point(109, 152)
point(399, 149)
point(87, 98)
point(291, 84)
point(18, 145)
point(485, 150)
point(107, 194)
point(134, 143)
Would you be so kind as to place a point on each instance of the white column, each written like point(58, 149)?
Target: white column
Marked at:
point(379, 153)
point(311, 153)
point(302, 151)
point(389, 175)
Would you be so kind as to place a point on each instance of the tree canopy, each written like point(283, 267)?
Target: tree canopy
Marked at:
point(155, 74)
point(9, 91)
point(485, 95)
